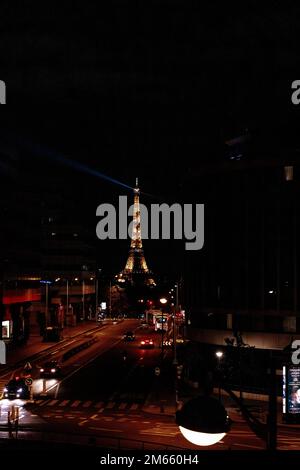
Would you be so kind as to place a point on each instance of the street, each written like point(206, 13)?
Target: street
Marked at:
point(108, 392)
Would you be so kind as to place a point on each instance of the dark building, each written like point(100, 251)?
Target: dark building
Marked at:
point(44, 237)
point(246, 277)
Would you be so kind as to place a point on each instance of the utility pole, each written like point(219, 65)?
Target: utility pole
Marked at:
point(110, 299)
point(83, 300)
point(47, 302)
point(162, 337)
point(67, 309)
point(96, 298)
point(174, 326)
point(272, 412)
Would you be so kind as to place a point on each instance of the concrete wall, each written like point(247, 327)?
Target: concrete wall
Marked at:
point(260, 340)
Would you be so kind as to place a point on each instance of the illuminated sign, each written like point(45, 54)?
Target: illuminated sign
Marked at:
point(293, 389)
point(291, 392)
point(6, 329)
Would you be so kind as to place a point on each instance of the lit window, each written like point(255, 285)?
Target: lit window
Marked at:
point(53, 234)
point(289, 173)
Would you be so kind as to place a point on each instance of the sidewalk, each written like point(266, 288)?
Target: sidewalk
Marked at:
point(162, 402)
point(161, 399)
point(36, 344)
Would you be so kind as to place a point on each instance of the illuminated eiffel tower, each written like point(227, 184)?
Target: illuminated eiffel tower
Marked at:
point(136, 269)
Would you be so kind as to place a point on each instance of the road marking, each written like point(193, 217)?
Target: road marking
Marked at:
point(44, 402)
point(64, 403)
point(122, 420)
point(134, 406)
point(87, 404)
point(94, 416)
point(83, 422)
point(76, 403)
point(110, 405)
point(52, 402)
point(38, 402)
point(245, 445)
point(105, 429)
point(86, 364)
point(122, 406)
point(99, 404)
point(157, 432)
point(108, 419)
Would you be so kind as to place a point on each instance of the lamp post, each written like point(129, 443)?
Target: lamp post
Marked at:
point(174, 324)
point(163, 301)
point(83, 300)
point(67, 309)
point(219, 355)
point(110, 299)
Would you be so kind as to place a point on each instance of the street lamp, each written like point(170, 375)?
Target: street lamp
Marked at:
point(203, 421)
point(163, 301)
point(219, 355)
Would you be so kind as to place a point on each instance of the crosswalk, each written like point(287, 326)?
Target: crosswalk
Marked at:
point(88, 404)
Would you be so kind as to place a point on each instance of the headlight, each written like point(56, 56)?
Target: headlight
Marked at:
point(53, 371)
point(20, 390)
point(42, 370)
point(5, 389)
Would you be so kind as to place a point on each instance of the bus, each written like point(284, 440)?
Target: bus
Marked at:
point(162, 321)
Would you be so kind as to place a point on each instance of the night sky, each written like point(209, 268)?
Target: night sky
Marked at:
point(150, 91)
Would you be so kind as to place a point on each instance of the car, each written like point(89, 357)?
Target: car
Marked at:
point(16, 388)
point(50, 369)
point(144, 325)
point(129, 336)
point(146, 344)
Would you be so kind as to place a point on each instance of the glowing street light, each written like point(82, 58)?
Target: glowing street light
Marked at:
point(163, 300)
point(219, 355)
point(203, 421)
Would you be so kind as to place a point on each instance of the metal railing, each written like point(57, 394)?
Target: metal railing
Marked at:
point(108, 442)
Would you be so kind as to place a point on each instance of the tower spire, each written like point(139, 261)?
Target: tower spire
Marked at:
point(136, 263)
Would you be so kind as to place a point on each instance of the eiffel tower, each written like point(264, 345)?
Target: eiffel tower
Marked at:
point(136, 269)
